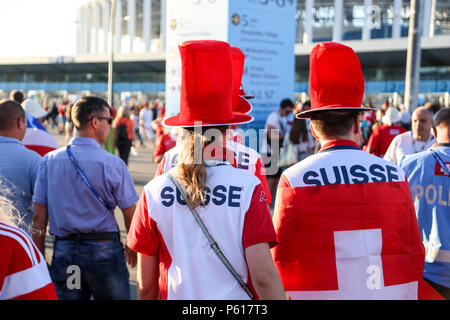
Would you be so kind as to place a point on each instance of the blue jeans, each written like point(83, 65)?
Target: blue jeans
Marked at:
point(82, 268)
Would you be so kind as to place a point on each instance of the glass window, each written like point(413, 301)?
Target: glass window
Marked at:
point(323, 20)
point(442, 17)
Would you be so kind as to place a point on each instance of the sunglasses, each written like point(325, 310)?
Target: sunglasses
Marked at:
point(108, 119)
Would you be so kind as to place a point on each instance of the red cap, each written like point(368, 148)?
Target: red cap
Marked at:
point(206, 86)
point(336, 81)
point(240, 103)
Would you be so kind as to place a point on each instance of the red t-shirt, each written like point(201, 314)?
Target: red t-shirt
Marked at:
point(128, 123)
point(381, 138)
point(164, 143)
point(23, 269)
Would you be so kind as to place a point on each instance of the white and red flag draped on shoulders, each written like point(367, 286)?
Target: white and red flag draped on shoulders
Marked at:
point(40, 141)
point(347, 228)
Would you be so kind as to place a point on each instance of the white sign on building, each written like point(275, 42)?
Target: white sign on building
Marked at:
point(263, 29)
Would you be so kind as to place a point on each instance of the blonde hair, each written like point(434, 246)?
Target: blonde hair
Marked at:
point(8, 213)
point(123, 112)
point(191, 168)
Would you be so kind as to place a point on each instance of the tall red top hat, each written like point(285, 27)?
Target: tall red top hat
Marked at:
point(336, 81)
point(206, 86)
point(240, 103)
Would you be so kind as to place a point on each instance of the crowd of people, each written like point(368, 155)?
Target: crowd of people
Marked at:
point(360, 195)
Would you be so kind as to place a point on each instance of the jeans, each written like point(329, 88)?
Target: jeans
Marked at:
point(80, 269)
point(124, 150)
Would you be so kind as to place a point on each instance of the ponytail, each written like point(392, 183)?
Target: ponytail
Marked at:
point(191, 168)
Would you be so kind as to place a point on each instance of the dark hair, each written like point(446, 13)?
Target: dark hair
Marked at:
point(298, 130)
point(286, 103)
point(333, 123)
point(84, 108)
point(433, 107)
point(17, 96)
point(10, 112)
point(442, 116)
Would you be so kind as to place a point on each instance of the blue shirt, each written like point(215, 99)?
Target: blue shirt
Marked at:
point(431, 193)
point(72, 206)
point(32, 122)
point(18, 171)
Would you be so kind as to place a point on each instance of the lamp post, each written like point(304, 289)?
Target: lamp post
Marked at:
point(111, 53)
point(413, 56)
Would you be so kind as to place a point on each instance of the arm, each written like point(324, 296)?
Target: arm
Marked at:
point(158, 158)
point(128, 217)
point(372, 145)
point(39, 226)
point(264, 275)
point(147, 277)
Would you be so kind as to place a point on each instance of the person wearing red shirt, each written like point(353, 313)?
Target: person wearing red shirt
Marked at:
point(23, 269)
point(123, 133)
point(382, 136)
point(166, 140)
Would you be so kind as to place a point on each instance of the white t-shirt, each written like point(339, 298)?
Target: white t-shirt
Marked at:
point(404, 144)
point(146, 118)
point(135, 119)
point(276, 120)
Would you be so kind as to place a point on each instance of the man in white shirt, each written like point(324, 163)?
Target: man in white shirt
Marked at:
point(277, 127)
point(145, 123)
point(417, 140)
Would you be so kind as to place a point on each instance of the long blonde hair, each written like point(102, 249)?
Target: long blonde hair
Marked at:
point(191, 168)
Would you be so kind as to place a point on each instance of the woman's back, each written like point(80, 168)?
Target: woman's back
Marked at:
point(235, 214)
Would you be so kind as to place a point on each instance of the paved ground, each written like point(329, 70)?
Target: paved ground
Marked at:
point(142, 170)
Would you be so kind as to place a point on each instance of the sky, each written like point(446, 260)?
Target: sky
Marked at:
point(38, 27)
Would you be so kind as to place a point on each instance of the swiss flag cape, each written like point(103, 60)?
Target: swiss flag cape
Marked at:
point(354, 240)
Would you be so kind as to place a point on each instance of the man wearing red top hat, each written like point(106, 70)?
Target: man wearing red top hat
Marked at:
point(344, 218)
point(175, 259)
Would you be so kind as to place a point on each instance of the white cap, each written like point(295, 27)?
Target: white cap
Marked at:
point(392, 116)
point(33, 108)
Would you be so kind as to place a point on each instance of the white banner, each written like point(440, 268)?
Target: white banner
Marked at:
point(189, 20)
point(263, 29)
point(265, 32)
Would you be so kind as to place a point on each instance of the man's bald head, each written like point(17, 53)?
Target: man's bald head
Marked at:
point(10, 113)
point(423, 110)
point(421, 123)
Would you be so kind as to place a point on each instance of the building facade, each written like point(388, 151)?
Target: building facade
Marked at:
point(377, 31)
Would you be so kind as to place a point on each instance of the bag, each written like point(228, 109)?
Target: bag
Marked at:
point(122, 133)
point(288, 156)
point(86, 180)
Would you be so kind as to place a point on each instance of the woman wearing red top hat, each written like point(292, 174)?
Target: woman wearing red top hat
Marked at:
point(175, 259)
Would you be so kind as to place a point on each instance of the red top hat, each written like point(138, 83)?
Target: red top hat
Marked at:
point(240, 103)
point(206, 86)
point(336, 81)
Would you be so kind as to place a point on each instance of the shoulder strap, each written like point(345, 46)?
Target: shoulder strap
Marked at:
point(85, 179)
point(211, 241)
